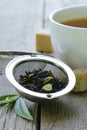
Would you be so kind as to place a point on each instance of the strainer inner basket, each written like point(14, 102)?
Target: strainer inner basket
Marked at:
point(26, 66)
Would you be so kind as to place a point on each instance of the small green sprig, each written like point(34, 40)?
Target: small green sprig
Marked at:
point(18, 103)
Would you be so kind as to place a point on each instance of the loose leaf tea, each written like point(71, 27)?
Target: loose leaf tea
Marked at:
point(42, 81)
point(47, 87)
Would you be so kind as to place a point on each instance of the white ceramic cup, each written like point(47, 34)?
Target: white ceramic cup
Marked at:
point(70, 43)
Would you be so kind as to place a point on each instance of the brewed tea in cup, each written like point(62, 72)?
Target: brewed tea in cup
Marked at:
point(68, 30)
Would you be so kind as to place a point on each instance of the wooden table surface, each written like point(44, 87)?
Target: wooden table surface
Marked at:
point(19, 22)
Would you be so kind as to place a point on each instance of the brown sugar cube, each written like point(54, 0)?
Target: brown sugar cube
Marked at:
point(81, 80)
point(43, 43)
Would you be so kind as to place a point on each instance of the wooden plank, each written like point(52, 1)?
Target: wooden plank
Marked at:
point(8, 118)
point(19, 20)
point(49, 6)
point(73, 2)
point(69, 111)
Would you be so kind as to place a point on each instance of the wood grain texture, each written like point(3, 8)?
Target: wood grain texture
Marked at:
point(49, 6)
point(19, 21)
point(8, 118)
point(69, 111)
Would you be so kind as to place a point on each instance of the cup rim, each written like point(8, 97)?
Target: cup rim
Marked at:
point(62, 9)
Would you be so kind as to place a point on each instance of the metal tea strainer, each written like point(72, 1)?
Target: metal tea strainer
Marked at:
point(20, 64)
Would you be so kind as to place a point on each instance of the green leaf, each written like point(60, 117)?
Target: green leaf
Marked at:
point(47, 87)
point(6, 97)
point(8, 101)
point(9, 104)
point(22, 110)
